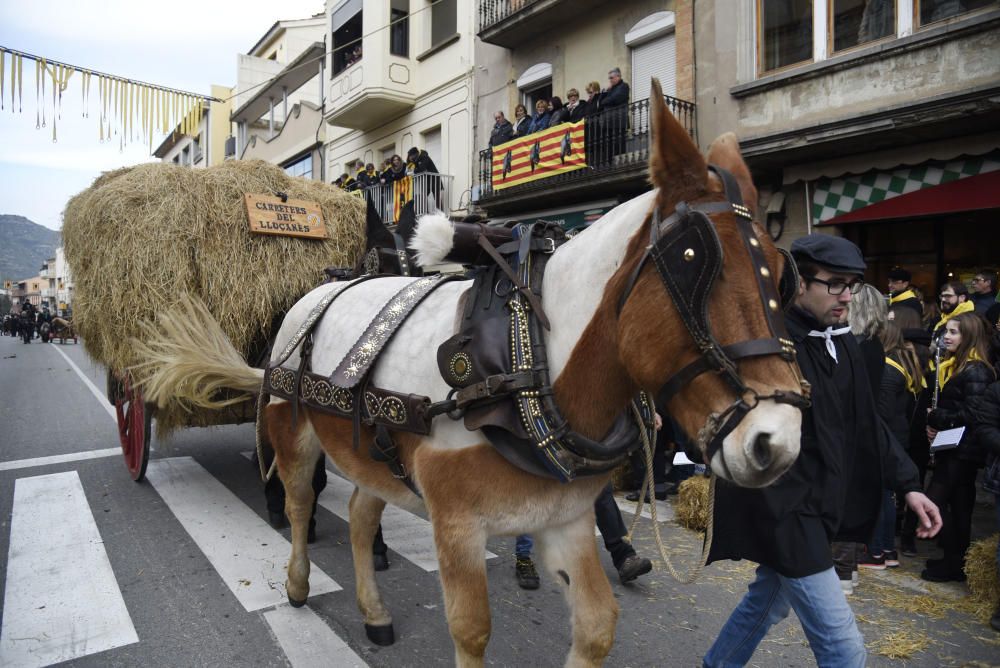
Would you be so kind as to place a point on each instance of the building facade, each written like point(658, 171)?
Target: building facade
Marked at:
point(401, 76)
point(206, 146)
point(550, 46)
point(876, 120)
point(278, 106)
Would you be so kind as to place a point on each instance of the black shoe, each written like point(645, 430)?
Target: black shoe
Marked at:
point(634, 496)
point(938, 572)
point(908, 547)
point(277, 520)
point(633, 567)
point(995, 620)
point(891, 558)
point(381, 561)
point(527, 576)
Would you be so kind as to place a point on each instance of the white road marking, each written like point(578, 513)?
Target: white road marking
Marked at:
point(308, 642)
point(101, 399)
point(59, 459)
point(409, 535)
point(61, 600)
point(248, 554)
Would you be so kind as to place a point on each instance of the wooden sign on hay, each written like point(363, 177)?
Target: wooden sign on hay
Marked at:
point(284, 217)
point(140, 237)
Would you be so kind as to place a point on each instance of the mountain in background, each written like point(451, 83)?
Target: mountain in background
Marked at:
point(24, 246)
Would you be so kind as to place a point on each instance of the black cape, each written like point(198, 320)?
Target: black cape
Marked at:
point(833, 490)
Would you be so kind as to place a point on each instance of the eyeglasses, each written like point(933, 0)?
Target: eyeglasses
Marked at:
point(978, 279)
point(837, 288)
point(947, 297)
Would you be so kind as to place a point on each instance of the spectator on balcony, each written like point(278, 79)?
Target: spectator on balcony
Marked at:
point(421, 161)
point(576, 108)
point(540, 121)
point(355, 55)
point(593, 97)
point(559, 112)
point(502, 129)
point(385, 176)
point(521, 121)
point(368, 177)
point(613, 107)
point(347, 182)
point(395, 170)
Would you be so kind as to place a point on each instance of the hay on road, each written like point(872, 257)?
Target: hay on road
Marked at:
point(140, 237)
point(691, 509)
point(981, 571)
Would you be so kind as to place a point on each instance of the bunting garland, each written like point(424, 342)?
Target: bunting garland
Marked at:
point(127, 110)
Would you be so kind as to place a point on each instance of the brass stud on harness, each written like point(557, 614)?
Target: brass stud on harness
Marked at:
point(688, 254)
point(765, 272)
point(754, 243)
point(773, 305)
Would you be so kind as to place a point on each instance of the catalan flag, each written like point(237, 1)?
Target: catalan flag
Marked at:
point(537, 156)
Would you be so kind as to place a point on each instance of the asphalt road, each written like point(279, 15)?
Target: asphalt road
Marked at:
point(182, 570)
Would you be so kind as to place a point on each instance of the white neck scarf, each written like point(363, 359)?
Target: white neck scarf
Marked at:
point(827, 335)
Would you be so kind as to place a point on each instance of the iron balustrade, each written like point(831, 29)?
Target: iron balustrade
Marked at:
point(492, 12)
point(429, 192)
point(615, 140)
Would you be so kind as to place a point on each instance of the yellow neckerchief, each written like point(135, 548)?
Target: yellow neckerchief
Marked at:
point(947, 368)
point(908, 294)
point(911, 383)
point(965, 307)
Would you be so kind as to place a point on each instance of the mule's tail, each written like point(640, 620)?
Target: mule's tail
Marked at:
point(186, 357)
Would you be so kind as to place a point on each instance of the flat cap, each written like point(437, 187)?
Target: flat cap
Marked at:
point(835, 253)
point(900, 274)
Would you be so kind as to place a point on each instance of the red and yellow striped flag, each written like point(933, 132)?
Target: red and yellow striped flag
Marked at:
point(537, 156)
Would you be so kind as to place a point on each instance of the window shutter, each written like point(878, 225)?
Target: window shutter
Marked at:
point(655, 58)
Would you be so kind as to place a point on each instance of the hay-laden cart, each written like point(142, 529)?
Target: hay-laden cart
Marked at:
point(62, 329)
point(139, 238)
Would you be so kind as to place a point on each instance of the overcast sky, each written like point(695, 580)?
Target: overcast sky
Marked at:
point(184, 44)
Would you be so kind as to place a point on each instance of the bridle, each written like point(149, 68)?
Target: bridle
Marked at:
point(687, 253)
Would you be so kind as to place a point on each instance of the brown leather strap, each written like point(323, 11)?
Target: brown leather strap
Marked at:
point(532, 298)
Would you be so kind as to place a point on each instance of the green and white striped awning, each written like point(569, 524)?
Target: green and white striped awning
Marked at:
point(835, 197)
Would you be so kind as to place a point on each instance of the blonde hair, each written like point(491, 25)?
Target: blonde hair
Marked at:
point(868, 312)
point(572, 91)
point(594, 86)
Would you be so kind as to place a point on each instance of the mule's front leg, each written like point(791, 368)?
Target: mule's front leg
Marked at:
point(461, 546)
point(366, 513)
point(296, 454)
point(569, 552)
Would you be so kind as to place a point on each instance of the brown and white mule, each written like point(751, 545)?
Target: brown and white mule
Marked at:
point(599, 357)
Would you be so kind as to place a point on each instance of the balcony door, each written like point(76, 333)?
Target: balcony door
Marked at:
point(654, 54)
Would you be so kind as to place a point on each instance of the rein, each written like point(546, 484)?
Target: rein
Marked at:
point(687, 253)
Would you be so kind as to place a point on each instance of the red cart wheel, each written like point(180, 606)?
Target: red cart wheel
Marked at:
point(134, 427)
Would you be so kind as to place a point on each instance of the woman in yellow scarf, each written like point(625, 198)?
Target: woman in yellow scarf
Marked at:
point(964, 375)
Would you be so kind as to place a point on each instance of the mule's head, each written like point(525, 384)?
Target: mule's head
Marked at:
point(733, 383)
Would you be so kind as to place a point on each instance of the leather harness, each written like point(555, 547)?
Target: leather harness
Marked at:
point(687, 253)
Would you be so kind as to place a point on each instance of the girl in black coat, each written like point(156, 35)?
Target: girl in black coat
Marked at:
point(962, 378)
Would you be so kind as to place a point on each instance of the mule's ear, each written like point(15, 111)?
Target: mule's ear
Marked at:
point(725, 152)
point(676, 166)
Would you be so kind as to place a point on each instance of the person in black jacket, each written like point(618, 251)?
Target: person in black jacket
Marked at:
point(986, 417)
point(558, 111)
point(831, 492)
point(502, 130)
point(576, 107)
point(961, 378)
point(612, 117)
point(522, 121)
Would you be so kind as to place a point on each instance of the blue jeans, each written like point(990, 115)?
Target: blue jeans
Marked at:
point(884, 538)
point(523, 545)
point(820, 605)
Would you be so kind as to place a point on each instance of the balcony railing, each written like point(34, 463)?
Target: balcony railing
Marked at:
point(616, 142)
point(428, 191)
point(492, 12)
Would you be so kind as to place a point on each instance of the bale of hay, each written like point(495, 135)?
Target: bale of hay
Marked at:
point(140, 237)
point(691, 509)
point(981, 571)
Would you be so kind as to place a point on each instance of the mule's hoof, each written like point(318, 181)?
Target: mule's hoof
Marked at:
point(380, 635)
point(294, 603)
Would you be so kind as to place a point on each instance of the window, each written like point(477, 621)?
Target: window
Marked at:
point(196, 149)
point(855, 22)
point(444, 20)
point(346, 21)
point(300, 167)
point(399, 33)
point(937, 10)
point(535, 84)
point(654, 54)
point(785, 32)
